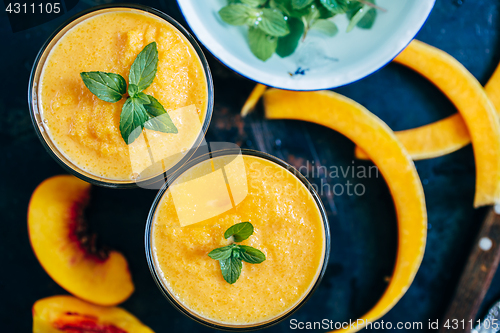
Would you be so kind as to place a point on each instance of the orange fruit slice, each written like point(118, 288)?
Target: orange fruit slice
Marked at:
point(66, 248)
point(477, 112)
point(58, 314)
point(252, 100)
point(374, 136)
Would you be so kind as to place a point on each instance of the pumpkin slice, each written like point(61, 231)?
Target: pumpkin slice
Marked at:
point(475, 107)
point(437, 139)
point(444, 136)
point(492, 89)
point(374, 136)
point(252, 100)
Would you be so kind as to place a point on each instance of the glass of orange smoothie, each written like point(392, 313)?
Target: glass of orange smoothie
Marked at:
point(215, 194)
point(83, 131)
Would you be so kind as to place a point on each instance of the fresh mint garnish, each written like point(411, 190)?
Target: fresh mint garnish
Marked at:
point(253, 3)
point(251, 255)
point(106, 86)
point(336, 6)
point(363, 14)
point(231, 269)
point(222, 252)
point(139, 110)
point(231, 257)
point(240, 231)
point(288, 44)
point(273, 23)
point(133, 116)
point(325, 26)
point(300, 4)
point(262, 46)
point(159, 119)
point(236, 14)
point(273, 28)
point(143, 70)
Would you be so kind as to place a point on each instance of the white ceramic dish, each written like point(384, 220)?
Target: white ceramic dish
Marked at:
point(319, 62)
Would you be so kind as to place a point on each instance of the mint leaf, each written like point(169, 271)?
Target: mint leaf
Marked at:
point(325, 26)
point(253, 3)
point(108, 87)
point(368, 19)
point(299, 4)
point(143, 98)
point(251, 254)
point(282, 5)
point(262, 46)
point(160, 120)
point(336, 6)
point(153, 107)
point(231, 269)
point(133, 117)
point(236, 14)
point(133, 90)
point(221, 253)
point(360, 14)
point(312, 14)
point(288, 44)
point(324, 13)
point(273, 23)
point(143, 70)
point(240, 231)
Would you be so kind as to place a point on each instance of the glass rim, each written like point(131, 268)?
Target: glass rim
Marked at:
point(56, 153)
point(191, 314)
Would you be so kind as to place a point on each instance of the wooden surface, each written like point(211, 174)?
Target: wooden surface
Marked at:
point(476, 277)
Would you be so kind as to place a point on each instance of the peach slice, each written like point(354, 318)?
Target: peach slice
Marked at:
point(374, 136)
point(70, 255)
point(68, 314)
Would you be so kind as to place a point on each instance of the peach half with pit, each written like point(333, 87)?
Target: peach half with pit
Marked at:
point(66, 249)
point(58, 314)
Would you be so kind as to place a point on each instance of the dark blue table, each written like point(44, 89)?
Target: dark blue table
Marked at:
point(363, 228)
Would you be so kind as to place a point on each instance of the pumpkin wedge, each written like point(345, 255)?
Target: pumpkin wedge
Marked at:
point(475, 107)
point(437, 139)
point(444, 136)
point(492, 89)
point(374, 136)
point(252, 100)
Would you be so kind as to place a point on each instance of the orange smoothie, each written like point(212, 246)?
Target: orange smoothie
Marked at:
point(202, 204)
point(86, 129)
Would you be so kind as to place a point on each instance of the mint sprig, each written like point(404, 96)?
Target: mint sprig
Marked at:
point(139, 110)
point(276, 26)
point(231, 257)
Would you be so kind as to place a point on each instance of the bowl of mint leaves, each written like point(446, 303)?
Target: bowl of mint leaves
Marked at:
point(305, 44)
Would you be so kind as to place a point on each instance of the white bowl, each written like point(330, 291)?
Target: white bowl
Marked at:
point(319, 62)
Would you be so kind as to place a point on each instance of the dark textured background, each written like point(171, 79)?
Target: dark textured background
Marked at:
point(363, 228)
